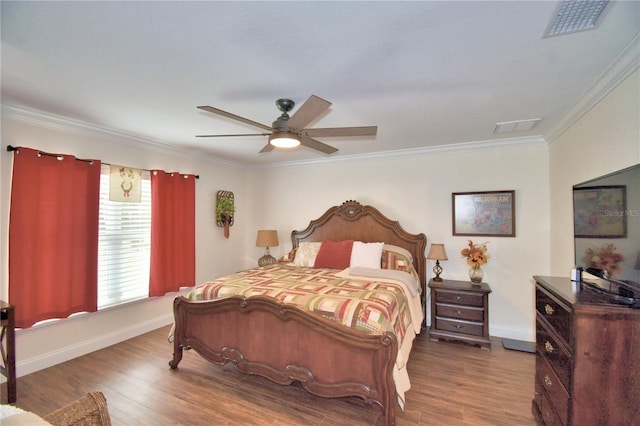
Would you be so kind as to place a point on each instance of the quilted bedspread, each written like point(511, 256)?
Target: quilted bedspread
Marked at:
point(362, 304)
point(367, 303)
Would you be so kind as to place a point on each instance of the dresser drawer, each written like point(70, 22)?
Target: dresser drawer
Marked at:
point(464, 327)
point(555, 353)
point(459, 298)
point(460, 312)
point(555, 392)
point(545, 407)
point(555, 314)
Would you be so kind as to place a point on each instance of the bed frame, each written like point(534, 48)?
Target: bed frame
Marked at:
point(285, 343)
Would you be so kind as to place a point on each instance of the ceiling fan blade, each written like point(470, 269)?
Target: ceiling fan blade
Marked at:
point(234, 117)
point(267, 148)
point(235, 134)
point(309, 111)
point(329, 132)
point(317, 145)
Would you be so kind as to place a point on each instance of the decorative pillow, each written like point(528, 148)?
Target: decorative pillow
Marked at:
point(334, 254)
point(306, 253)
point(366, 255)
point(394, 257)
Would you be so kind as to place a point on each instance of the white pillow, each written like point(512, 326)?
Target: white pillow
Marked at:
point(366, 255)
point(306, 254)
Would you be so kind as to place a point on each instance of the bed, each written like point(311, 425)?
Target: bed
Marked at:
point(273, 332)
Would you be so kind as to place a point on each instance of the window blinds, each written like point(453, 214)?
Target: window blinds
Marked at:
point(124, 245)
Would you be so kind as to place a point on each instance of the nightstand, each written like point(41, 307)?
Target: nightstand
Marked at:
point(460, 312)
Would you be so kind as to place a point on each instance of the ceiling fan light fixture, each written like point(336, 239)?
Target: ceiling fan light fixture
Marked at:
point(284, 140)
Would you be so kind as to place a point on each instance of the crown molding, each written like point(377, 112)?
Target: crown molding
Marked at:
point(527, 141)
point(622, 67)
point(64, 124)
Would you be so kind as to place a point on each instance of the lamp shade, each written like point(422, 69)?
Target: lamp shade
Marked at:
point(267, 238)
point(436, 252)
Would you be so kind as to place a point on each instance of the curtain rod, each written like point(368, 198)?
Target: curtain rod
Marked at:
point(11, 148)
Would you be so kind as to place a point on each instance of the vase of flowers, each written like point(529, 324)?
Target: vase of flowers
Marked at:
point(477, 255)
point(605, 258)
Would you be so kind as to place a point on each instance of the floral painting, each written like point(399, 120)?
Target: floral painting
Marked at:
point(489, 213)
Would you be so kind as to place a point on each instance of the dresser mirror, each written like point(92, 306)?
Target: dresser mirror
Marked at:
point(607, 225)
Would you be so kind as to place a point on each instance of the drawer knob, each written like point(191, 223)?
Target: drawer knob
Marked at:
point(549, 309)
point(458, 312)
point(547, 381)
point(459, 326)
point(458, 297)
point(548, 347)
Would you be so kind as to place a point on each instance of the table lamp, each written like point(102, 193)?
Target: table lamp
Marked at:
point(437, 253)
point(267, 238)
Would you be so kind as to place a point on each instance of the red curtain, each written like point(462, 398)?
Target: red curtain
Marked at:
point(173, 238)
point(53, 236)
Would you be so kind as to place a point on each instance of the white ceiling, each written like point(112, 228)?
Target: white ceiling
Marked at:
point(427, 74)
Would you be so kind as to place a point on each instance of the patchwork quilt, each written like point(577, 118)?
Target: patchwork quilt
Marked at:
point(360, 303)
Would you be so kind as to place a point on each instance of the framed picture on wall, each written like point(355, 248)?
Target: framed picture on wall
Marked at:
point(600, 211)
point(488, 213)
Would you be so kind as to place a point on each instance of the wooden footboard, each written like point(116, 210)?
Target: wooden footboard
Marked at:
point(285, 343)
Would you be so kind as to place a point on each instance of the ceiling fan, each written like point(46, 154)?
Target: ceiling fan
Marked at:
point(289, 132)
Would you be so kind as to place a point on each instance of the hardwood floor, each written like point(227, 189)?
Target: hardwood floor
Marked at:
point(452, 384)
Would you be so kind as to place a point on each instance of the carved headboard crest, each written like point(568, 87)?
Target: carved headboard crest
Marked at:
point(350, 210)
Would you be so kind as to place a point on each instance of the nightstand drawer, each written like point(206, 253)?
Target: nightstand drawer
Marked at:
point(465, 327)
point(555, 314)
point(460, 312)
point(459, 297)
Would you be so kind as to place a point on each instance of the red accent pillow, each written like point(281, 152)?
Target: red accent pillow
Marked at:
point(334, 254)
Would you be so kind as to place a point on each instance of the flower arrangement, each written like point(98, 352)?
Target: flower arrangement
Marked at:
point(476, 254)
point(605, 258)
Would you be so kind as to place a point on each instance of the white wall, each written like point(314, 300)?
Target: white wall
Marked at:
point(604, 140)
point(46, 345)
point(416, 190)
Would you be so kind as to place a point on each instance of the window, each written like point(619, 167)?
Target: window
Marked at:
point(124, 245)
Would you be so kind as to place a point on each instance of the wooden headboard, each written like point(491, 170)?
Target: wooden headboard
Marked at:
point(353, 221)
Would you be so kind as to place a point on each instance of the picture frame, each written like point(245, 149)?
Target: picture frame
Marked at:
point(486, 213)
point(600, 211)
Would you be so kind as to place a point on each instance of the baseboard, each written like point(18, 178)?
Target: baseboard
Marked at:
point(50, 359)
point(513, 333)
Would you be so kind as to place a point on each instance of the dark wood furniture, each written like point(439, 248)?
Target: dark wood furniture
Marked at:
point(8, 348)
point(587, 359)
point(460, 312)
point(285, 343)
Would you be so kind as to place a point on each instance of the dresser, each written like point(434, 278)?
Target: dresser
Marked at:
point(587, 357)
point(460, 312)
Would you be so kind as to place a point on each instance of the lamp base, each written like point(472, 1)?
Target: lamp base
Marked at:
point(437, 270)
point(266, 260)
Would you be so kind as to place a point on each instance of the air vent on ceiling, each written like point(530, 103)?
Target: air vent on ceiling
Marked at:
point(572, 16)
point(515, 126)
